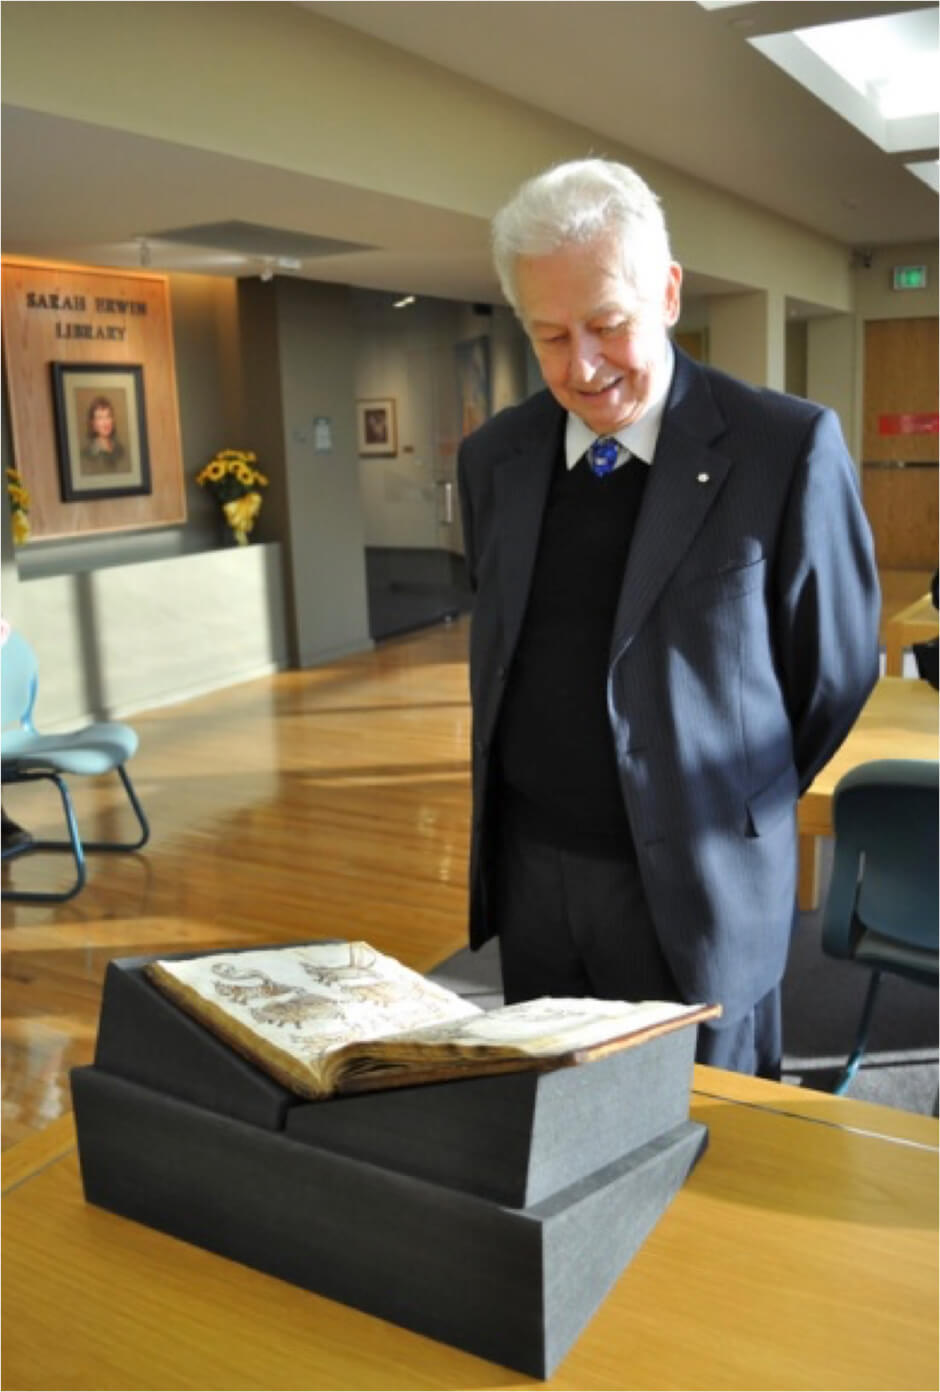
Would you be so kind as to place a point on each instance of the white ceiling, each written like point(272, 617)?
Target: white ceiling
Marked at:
point(678, 81)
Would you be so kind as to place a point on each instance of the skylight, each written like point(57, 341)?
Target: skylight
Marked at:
point(892, 59)
point(882, 74)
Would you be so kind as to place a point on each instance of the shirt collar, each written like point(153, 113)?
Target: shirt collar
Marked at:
point(640, 437)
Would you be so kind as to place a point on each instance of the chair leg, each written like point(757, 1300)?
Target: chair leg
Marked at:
point(861, 1037)
point(74, 844)
point(138, 812)
point(110, 845)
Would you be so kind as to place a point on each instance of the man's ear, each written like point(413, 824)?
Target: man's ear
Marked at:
point(672, 303)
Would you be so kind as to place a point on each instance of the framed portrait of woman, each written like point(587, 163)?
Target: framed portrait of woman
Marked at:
point(101, 430)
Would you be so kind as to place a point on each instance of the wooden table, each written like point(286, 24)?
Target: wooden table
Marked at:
point(899, 721)
point(915, 624)
point(802, 1253)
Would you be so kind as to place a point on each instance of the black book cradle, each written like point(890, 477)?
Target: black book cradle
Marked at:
point(492, 1213)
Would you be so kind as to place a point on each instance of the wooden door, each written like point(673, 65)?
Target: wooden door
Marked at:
point(900, 439)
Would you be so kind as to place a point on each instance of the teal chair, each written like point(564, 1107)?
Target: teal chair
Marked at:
point(882, 908)
point(28, 756)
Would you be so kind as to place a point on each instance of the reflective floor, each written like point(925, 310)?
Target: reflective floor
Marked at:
point(331, 802)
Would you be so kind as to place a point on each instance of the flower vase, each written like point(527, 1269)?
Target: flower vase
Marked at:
point(240, 514)
point(234, 480)
point(231, 535)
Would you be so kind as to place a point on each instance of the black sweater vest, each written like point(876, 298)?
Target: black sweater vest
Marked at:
point(555, 747)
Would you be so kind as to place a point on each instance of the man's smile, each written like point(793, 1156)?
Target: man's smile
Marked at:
point(599, 391)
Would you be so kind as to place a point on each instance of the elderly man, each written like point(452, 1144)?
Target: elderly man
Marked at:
point(675, 626)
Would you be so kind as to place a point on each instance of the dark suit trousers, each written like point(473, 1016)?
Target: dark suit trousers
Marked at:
point(576, 925)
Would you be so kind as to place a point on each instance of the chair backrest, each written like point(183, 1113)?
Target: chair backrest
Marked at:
point(885, 866)
point(19, 682)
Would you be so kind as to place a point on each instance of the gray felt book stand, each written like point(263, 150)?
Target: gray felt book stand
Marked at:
point(492, 1213)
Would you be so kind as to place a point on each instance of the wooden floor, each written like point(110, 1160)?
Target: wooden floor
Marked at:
point(330, 802)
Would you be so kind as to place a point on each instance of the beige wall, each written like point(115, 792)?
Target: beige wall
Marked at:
point(830, 372)
point(796, 366)
point(340, 106)
point(747, 336)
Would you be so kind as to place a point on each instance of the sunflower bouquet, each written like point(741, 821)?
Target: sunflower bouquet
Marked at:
point(19, 507)
point(233, 478)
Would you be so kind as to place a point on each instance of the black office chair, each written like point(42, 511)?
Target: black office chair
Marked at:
point(882, 907)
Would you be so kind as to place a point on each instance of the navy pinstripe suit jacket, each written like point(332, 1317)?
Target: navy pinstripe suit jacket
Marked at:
point(744, 645)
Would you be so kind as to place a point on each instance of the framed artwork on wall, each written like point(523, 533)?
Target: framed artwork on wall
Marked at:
point(101, 430)
point(473, 383)
point(376, 428)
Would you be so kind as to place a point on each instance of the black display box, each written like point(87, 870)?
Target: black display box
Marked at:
point(492, 1213)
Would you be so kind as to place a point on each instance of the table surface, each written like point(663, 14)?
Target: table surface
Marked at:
point(801, 1253)
point(899, 721)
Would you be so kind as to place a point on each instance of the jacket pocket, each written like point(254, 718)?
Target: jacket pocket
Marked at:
point(716, 587)
point(772, 803)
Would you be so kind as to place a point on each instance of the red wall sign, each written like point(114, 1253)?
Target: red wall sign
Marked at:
point(910, 423)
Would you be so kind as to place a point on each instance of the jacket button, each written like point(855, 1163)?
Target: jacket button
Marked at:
point(501, 672)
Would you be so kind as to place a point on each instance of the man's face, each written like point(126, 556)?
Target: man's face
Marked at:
point(600, 342)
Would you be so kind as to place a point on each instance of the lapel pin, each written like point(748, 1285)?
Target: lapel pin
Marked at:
point(703, 478)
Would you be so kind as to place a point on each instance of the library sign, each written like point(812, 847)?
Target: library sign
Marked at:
point(93, 402)
point(106, 327)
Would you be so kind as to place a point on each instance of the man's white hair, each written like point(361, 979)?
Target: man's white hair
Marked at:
point(575, 203)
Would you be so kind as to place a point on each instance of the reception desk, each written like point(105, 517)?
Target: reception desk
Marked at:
point(801, 1253)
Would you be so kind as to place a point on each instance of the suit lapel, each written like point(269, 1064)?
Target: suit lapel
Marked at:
point(523, 478)
point(685, 479)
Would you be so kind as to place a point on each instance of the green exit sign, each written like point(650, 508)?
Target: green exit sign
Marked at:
point(909, 277)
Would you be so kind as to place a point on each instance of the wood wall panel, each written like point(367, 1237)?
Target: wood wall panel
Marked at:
point(901, 364)
point(35, 337)
point(902, 509)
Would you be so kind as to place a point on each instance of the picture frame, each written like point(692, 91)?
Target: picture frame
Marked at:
point(101, 430)
point(376, 426)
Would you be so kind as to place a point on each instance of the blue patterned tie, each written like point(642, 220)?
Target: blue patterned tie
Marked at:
point(602, 455)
